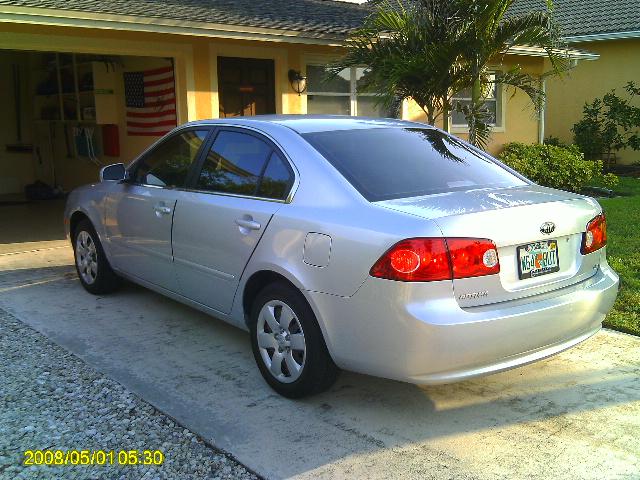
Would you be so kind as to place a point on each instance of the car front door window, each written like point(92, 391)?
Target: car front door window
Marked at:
point(168, 165)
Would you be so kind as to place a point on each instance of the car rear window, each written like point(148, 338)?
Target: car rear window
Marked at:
point(388, 163)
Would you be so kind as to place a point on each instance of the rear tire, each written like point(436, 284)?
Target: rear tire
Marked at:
point(287, 343)
point(94, 271)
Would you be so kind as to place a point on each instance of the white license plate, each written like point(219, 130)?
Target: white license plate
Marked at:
point(538, 258)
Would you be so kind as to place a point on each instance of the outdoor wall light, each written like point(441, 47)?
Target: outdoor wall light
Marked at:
point(298, 81)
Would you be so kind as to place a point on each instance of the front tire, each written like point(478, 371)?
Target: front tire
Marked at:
point(287, 343)
point(93, 268)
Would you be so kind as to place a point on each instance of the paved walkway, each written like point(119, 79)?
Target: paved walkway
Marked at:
point(576, 415)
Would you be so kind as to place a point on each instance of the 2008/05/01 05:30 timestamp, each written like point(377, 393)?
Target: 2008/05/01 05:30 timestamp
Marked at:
point(93, 457)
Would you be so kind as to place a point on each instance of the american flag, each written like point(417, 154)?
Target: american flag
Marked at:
point(150, 97)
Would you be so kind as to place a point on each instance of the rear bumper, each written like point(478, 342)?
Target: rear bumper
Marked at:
point(418, 332)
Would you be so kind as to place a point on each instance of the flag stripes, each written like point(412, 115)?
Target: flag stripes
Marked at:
point(150, 99)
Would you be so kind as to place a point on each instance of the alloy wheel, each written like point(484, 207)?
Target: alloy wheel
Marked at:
point(281, 341)
point(86, 257)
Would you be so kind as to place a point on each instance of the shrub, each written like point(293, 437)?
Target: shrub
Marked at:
point(557, 167)
point(555, 141)
point(609, 124)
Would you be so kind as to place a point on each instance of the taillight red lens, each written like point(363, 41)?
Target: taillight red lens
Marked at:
point(414, 260)
point(431, 259)
point(595, 237)
point(473, 257)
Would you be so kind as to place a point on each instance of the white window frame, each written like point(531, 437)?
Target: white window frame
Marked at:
point(353, 91)
point(500, 111)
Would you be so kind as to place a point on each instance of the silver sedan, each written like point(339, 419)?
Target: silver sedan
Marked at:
point(379, 246)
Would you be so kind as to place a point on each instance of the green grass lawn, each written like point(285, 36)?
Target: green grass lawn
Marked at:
point(623, 251)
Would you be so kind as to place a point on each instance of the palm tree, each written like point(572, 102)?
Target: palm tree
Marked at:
point(411, 51)
point(490, 33)
point(428, 50)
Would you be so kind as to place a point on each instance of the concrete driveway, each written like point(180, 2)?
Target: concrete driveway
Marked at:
point(576, 415)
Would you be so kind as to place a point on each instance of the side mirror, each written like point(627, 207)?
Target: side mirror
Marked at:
point(115, 172)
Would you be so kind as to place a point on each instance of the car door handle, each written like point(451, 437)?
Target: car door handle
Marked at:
point(162, 209)
point(248, 223)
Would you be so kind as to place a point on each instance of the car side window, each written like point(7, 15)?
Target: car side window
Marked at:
point(234, 164)
point(168, 164)
point(277, 178)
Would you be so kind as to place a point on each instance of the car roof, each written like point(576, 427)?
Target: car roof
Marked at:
point(314, 123)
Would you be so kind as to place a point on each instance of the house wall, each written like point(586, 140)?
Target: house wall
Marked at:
point(619, 63)
point(196, 78)
point(196, 84)
point(520, 119)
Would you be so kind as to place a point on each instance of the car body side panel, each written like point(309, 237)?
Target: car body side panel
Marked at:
point(89, 199)
point(210, 249)
point(354, 247)
point(139, 234)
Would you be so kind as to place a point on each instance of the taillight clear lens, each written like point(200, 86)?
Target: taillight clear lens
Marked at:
point(414, 260)
point(595, 236)
point(473, 257)
point(431, 259)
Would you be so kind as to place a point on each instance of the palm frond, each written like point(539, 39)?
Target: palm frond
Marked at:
point(428, 50)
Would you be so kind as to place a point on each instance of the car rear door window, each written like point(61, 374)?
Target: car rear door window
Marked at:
point(277, 178)
point(168, 164)
point(234, 164)
point(388, 163)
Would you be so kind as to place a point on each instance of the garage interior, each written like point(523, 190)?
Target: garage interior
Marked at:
point(65, 117)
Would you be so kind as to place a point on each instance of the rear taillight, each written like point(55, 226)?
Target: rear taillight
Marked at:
point(431, 259)
point(473, 257)
point(415, 260)
point(595, 237)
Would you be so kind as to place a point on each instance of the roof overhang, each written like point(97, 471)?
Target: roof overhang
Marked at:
point(572, 53)
point(73, 18)
point(603, 36)
point(78, 19)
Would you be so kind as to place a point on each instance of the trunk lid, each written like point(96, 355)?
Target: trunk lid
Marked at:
point(512, 217)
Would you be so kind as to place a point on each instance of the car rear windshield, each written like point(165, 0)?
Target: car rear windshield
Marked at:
point(388, 163)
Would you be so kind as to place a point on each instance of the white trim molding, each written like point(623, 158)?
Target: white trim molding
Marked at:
point(603, 36)
point(573, 53)
point(72, 18)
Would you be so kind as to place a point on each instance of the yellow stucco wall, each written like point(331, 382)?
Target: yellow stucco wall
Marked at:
point(196, 82)
point(196, 77)
point(520, 120)
point(619, 62)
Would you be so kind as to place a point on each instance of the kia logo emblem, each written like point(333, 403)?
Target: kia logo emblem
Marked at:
point(547, 228)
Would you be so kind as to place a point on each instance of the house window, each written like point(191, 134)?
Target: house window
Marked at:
point(340, 95)
point(493, 104)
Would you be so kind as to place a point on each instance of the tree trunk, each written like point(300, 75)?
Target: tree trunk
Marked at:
point(446, 123)
point(476, 96)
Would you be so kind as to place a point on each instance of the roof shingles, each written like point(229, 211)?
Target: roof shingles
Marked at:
point(336, 18)
point(589, 17)
point(315, 16)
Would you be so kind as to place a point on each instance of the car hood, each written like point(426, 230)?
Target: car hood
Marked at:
point(473, 201)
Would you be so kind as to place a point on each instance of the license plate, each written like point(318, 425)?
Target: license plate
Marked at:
point(538, 258)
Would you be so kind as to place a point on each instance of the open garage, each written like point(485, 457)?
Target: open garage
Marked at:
point(67, 115)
